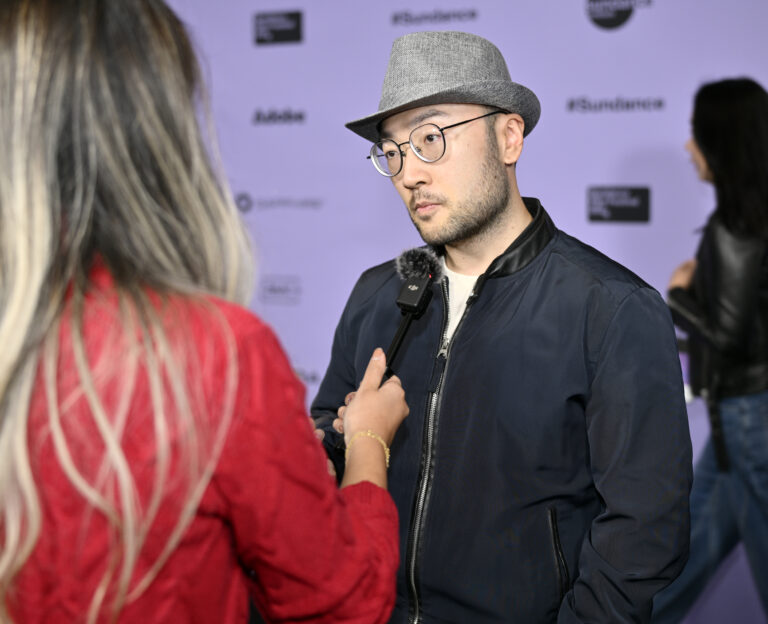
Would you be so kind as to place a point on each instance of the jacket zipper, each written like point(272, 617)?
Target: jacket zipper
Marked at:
point(563, 578)
point(426, 473)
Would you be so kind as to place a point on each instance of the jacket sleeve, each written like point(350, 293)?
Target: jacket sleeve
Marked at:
point(339, 380)
point(640, 454)
point(316, 553)
point(732, 268)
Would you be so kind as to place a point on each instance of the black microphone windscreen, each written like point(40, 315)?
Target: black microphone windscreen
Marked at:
point(419, 262)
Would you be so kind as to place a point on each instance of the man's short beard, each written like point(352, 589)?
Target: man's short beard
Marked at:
point(481, 213)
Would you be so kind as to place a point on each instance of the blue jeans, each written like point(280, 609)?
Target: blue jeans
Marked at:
point(726, 507)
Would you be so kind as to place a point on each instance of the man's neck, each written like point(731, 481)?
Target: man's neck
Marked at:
point(473, 256)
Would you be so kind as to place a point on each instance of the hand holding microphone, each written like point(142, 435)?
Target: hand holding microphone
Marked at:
point(372, 417)
point(418, 268)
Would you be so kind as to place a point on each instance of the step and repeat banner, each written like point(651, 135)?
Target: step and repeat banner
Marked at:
point(616, 80)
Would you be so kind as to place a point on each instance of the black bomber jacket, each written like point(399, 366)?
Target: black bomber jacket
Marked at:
point(544, 470)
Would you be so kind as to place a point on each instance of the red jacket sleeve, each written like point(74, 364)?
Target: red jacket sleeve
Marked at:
point(317, 553)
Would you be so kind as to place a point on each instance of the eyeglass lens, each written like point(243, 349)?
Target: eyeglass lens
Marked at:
point(427, 142)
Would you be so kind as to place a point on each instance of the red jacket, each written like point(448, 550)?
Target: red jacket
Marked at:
point(315, 553)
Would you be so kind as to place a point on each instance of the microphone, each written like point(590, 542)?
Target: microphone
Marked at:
point(418, 268)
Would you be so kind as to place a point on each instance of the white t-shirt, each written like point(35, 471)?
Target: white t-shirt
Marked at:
point(459, 288)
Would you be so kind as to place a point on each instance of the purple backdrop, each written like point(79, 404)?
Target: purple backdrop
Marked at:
point(616, 80)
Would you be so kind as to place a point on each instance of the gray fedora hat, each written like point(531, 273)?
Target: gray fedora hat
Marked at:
point(447, 67)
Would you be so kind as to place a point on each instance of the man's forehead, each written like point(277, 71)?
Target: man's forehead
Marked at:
point(416, 116)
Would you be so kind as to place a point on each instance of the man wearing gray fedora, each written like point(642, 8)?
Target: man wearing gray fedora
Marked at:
point(543, 473)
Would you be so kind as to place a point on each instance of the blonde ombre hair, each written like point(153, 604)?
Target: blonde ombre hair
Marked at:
point(104, 161)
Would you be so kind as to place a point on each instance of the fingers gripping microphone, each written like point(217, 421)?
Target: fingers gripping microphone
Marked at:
point(418, 268)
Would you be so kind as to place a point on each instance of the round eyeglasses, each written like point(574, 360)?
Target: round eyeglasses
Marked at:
point(427, 142)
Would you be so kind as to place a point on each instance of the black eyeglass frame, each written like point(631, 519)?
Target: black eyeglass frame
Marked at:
point(372, 156)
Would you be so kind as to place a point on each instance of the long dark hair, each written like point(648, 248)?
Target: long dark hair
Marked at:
point(730, 126)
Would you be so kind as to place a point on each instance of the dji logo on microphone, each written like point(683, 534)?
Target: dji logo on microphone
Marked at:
point(412, 287)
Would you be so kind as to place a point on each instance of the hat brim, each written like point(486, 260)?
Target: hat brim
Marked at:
point(508, 96)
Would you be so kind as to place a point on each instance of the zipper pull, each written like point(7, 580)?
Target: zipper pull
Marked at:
point(437, 371)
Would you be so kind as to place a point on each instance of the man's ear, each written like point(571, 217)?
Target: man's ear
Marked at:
point(512, 144)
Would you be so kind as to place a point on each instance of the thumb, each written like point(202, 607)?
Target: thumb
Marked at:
point(374, 373)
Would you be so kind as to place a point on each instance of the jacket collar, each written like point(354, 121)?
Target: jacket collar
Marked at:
point(527, 245)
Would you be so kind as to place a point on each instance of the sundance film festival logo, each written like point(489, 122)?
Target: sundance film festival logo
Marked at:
point(611, 14)
point(280, 290)
point(614, 105)
point(619, 203)
point(407, 18)
point(271, 28)
point(274, 116)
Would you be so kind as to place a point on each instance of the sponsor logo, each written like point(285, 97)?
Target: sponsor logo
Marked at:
point(619, 203)
point(246, 203)
point(309, 377)
point(273, 116)
point(612, 14)
point(280, 289)
point(615, 105)
point(271, 28)
point(407, 18)
point(299, 203)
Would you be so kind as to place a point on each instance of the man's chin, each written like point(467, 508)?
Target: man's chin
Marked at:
point(435, 240)
point(432, 233)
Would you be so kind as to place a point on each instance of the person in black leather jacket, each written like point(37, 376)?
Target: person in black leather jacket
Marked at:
point(721, 300)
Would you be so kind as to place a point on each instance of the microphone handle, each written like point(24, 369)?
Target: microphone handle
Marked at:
point(394, 347)
point(397, 340)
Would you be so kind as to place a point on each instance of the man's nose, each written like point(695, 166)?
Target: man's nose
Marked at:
point(415, 171)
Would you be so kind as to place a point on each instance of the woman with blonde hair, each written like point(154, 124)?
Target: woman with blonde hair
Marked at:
point(156, 461)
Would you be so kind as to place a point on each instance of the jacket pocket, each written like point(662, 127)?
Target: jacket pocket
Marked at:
point(561, 567)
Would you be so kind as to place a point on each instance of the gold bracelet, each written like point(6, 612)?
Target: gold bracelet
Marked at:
point(369, 434)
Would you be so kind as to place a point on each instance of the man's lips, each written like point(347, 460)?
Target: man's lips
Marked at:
point(424, 208)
